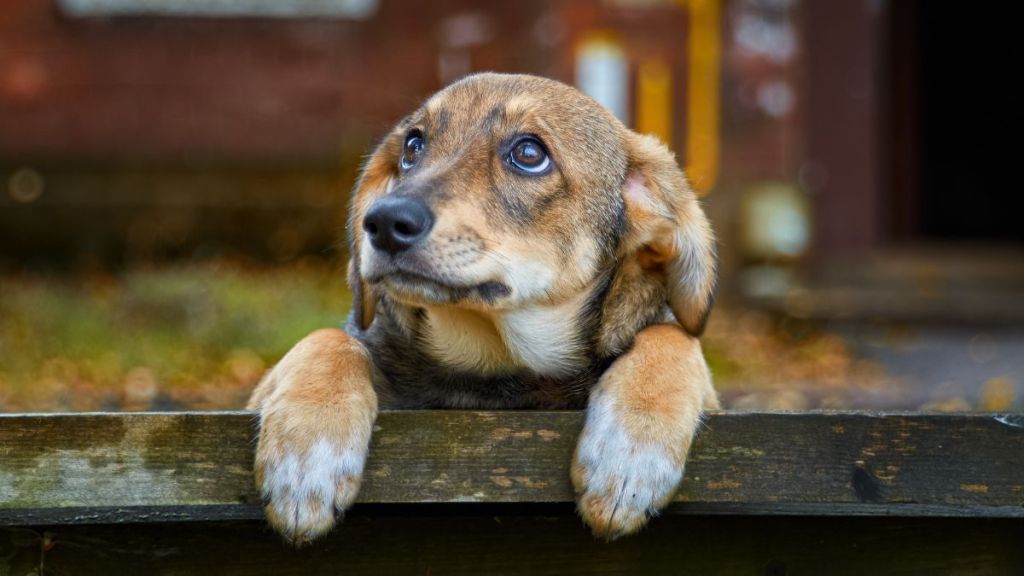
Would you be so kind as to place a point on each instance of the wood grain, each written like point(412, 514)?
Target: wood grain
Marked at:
point(110, 468)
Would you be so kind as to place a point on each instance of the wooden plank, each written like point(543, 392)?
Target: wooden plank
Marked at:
point(106, 468)
point(556, 543)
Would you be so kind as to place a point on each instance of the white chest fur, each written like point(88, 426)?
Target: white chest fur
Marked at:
point(544, 339)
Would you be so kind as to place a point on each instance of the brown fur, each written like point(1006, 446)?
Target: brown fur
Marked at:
point(538, 291)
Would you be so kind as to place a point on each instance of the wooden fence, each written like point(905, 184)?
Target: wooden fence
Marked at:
point(458, 492)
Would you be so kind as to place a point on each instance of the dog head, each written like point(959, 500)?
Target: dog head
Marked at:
point(510, 192)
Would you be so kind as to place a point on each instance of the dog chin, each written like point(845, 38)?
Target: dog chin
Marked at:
point(414, 289)
point(419, 291)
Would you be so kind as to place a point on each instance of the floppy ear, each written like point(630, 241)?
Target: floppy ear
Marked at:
point(668, 232)
point(373, 182)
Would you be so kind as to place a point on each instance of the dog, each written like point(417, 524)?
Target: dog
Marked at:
point(513, 245)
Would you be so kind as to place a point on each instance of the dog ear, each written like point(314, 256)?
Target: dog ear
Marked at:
point(374, 180)
point(668, 232)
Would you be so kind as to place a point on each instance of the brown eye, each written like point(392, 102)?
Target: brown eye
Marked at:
point(412, 149)
point(528, 155)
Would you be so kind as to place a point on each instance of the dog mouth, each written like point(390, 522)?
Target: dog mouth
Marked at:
point(419, 287)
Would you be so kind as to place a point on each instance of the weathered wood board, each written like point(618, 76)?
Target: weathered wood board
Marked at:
point(108, 468)
point(488, 493)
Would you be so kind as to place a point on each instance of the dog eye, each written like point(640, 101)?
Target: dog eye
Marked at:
point(528, 155)
point(413, 148)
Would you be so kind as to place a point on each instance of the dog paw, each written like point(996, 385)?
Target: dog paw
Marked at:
point(316, 412)
point(621, 482)
point(305, 490)
point(309, 463)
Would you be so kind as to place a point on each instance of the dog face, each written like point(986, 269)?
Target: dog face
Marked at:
point(480, 200)
point(508, 192)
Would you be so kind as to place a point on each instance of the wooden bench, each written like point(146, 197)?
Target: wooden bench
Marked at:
point(457, 492)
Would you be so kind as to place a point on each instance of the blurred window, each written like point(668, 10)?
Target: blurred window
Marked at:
point(355, 9)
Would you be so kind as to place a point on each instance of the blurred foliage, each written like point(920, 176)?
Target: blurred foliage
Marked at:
point(760, 361)
point(193, 336)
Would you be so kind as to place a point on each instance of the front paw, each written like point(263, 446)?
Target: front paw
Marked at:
point(316, 408)
point(307, 484)
point(621, 481)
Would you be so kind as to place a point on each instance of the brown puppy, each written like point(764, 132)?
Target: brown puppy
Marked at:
point(513, 246)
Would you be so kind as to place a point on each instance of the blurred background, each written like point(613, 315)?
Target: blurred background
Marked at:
point(174, 178)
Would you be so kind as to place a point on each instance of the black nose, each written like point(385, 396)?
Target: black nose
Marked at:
point(395, 223)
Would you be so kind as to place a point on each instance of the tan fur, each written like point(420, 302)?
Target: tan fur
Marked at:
point(527, 278)
point(467, 339)
point(319, 392)
point(655, 394)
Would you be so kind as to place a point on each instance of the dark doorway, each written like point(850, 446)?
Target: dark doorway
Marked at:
point(958, 122)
